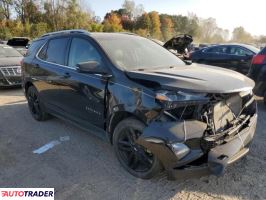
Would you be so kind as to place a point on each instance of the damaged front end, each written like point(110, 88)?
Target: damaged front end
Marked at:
point(199, 134)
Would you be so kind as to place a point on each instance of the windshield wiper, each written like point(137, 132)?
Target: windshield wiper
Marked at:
point(154, 68)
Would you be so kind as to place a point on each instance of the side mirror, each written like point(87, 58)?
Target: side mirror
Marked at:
point(91, 67)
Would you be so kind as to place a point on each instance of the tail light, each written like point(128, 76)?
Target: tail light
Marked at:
point(259, 59)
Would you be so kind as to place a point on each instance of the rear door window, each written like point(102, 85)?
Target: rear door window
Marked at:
point(221, 49)
point(55, 51)
point(238, 51)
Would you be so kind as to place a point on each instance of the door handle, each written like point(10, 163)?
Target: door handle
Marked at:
point(36, 65)
point(66, 75)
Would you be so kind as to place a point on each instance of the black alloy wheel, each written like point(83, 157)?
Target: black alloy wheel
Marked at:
point(136, 159)
point(36, 109)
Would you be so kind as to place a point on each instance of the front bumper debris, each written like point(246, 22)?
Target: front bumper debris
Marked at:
point(219, 157)
point(196, 163)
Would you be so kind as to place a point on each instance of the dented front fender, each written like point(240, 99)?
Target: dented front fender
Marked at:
point(158, 136)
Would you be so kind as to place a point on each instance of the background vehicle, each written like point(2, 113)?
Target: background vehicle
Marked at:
point(158, 113)
point(19, 43)
point(10, 70)
point(231, 56)
point(180, 45)
point(258, 73)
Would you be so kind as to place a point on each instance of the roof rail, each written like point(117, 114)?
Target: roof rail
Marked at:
point(128, 33)
point(66, 32)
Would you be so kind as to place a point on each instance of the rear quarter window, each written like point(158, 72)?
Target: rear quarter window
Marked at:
point(34, 47)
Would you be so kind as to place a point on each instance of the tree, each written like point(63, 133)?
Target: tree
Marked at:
point(155, 25)
point(75, 17)
point(5, 9)
point(95, 27)
point(262, 39)
point(208, 28)
point(112, 23)
point(143, 22)
point(240, 35)
point(166, 27)
point(39, 29)
point(132, 9)
point(129, 6)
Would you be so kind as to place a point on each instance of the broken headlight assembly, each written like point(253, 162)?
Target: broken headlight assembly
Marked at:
point(173, 99)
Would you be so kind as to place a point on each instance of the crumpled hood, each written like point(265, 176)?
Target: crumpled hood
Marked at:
point(196, 78)
point(11, 61)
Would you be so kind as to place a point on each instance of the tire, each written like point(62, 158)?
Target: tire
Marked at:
point(137, 160)
point(34, 103)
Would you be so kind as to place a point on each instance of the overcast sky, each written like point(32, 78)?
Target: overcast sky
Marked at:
point(251, 14)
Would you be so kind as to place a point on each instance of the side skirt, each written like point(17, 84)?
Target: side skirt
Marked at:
point(84, 125)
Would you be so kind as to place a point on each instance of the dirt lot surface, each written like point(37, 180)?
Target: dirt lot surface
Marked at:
point(84, 167)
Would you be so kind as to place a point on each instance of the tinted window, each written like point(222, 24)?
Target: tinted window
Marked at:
point(240, 51)
point(42, 53)
point(34, 47)
point(221, 49)
point(56, 51)
point(81, 50)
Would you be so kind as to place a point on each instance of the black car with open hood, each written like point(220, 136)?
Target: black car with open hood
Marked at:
point(156, 111)
point(180, 45)
point(21, 44)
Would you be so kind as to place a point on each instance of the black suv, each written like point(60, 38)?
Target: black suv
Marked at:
point(157, 112)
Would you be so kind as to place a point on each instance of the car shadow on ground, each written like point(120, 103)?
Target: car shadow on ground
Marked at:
point(13, 91)
point(86, 168)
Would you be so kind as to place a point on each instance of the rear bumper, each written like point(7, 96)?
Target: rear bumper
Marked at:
point(219, 157)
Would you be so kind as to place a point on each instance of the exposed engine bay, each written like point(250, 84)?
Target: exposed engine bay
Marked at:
point(209, 128)
point(224, 115)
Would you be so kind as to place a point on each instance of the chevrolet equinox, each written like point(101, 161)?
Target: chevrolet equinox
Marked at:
point(158, 112)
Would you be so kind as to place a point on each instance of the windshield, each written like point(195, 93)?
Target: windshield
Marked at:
point(6, 51)
point(130, 52)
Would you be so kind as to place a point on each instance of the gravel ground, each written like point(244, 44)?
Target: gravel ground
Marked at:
point(86, 168)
